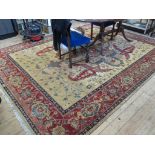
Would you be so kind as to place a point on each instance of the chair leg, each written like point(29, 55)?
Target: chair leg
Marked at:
point(70, 59)
point(59, 52)
point(74, 51)
point(87, 56)
point(70, 65)
point(91, 31)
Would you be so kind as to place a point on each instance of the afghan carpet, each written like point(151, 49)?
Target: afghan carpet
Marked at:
point(55, 99)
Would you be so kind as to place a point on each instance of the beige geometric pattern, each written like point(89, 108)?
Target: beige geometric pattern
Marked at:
point(53, 75)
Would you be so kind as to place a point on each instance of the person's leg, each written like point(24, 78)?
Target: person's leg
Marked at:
point(55, 40)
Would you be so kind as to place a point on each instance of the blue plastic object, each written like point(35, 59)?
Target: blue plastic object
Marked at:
point(76, 39)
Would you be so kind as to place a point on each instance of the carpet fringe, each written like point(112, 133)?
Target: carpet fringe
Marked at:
point(23, 123)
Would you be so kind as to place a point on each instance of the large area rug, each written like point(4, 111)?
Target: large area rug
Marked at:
point(57, 100)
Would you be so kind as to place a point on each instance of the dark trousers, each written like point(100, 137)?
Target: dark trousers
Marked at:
point(56, 39)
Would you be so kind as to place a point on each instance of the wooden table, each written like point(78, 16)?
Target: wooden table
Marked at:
point(101, 23)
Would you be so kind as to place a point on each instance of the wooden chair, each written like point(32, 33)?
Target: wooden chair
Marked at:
point(73, 39)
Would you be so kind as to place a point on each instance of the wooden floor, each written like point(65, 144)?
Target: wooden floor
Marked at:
point(136, 115)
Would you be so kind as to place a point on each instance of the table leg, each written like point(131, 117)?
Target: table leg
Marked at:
point(94, 41)
point(121, 29)
point(102, 37)
point(91, 31)
point(112, 35)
